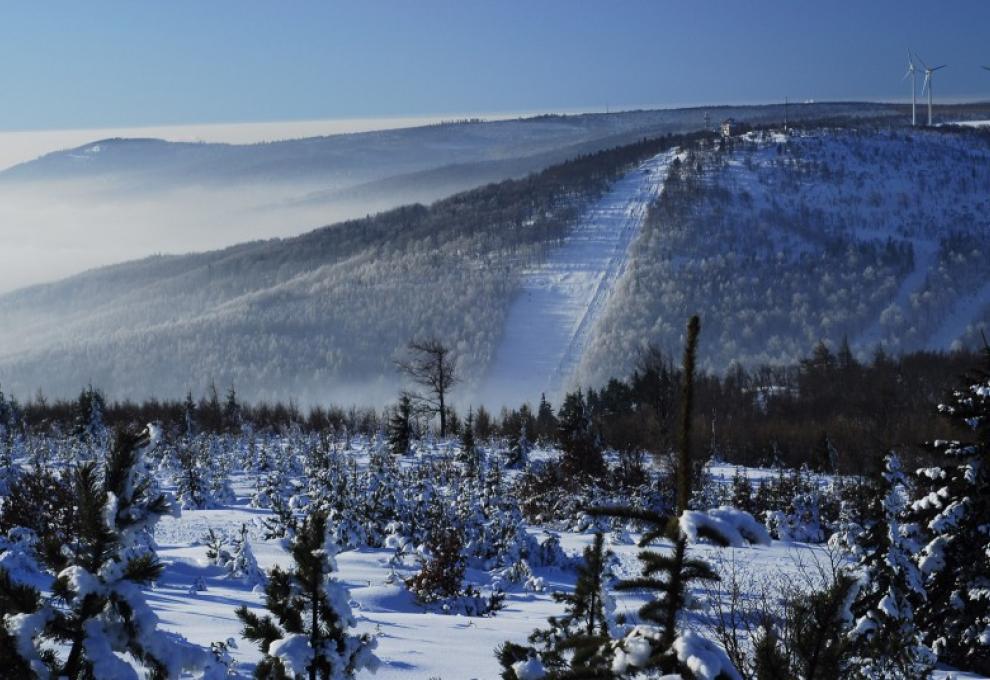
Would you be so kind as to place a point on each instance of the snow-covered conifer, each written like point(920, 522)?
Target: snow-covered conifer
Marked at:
point(309, 636)
point(887, 642)
point(242, 564)
point(953, 508)
point(104, 615)
point(578, 642)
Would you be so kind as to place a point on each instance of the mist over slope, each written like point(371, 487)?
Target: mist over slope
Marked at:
point(875, 234)
point(311, 317)
point(119, 199)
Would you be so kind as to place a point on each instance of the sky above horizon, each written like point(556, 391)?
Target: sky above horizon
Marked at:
point(119, 64)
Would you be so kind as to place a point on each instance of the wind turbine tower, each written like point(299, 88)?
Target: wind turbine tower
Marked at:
point(911, 73)
point(928, 85)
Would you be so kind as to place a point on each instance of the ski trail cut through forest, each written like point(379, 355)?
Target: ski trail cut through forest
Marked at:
point(558, 302)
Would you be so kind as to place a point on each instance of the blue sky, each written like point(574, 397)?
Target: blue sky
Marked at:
point(104, 64)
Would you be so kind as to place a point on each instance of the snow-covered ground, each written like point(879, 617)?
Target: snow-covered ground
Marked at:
point(412, 643)
point(559, 301)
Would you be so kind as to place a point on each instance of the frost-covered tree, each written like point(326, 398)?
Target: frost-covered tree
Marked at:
point(519, 448)
point(953, 508)
point(90, 407)
point(432, 365)
point(241, 563)
point(309, 636)
point(192, 479)
point(97, 613)
point(887, 642)
point(23, 620)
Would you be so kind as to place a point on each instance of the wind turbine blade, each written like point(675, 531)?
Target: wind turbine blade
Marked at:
point(922, 62)
point(987, 68)
point(909, 73)
point(938, 67)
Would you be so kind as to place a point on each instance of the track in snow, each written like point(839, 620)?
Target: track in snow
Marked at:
point(559, 301)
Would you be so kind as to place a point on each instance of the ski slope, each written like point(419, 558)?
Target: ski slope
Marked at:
point(559, 301)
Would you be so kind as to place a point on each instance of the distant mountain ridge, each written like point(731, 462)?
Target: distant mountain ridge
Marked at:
point(357, 158)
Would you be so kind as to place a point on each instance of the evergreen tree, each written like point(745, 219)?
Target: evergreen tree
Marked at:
point(308, 636)
point(189, 415)
point(89, 426)
point(400, 432)
point(954, 509)
point(887, 642)
point(518, 449)
point(483, 424)
point(657, 645)
point(98, 613)
point(242, 564)
point(546, 421)
point(742, 492)
point(824, 456)
point(769, 660)
point(231, 412)
point(468, 449)
point(23, 616)
point(192, 486)
point(577, 441)
point(442, 575)
point(816, 628)
point(577, 644)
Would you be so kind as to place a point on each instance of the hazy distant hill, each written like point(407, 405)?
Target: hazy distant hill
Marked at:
point(122, 199)
point(352, 159)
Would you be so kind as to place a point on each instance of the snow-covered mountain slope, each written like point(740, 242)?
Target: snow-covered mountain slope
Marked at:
point(115, 200)
point(318, 316)
point(881, 237)
point(560, 300)
point(777, 242)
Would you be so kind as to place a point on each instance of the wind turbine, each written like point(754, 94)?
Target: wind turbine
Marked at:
point(928, 85)
point(914, 88)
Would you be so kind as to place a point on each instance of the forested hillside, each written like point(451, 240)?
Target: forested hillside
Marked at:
point(310, 317)
point(881, 236)
point(875, 235)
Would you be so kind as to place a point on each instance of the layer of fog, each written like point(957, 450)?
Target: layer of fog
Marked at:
point(49, 231)
point(20, 146)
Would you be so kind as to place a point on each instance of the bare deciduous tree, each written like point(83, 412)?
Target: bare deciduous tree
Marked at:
point(431, 364)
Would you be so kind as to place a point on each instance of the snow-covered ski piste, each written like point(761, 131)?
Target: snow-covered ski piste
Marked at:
point(559, 301)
